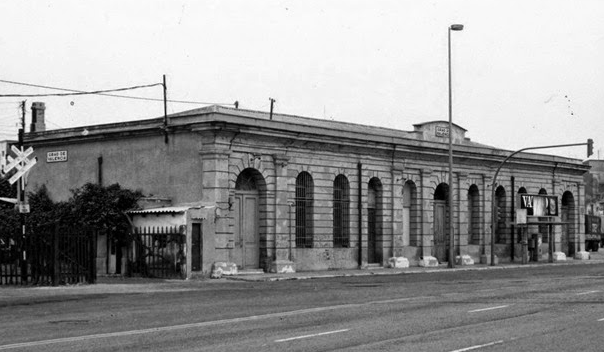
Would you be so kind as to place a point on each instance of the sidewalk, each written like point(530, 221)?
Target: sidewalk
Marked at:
point(595, 258)
point(123, 285)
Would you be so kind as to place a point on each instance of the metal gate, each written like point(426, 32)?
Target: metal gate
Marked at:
point(157, 252)
point(50, 255)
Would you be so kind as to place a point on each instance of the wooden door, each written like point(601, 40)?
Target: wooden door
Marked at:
point(440, 226)
point(246, 251)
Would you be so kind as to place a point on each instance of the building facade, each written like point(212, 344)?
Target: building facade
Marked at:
point(310, 194)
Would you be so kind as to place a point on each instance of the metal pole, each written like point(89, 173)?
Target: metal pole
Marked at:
point(451, 213)
point(165, 111)
point(272, 102)
point(21, 198)
point(493, 218)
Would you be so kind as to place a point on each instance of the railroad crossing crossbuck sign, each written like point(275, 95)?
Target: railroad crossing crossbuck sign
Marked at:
point(21, 163)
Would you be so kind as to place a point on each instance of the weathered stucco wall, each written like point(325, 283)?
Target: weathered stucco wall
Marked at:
point(208, 150)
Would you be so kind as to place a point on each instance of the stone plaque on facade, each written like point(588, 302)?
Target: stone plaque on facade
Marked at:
point(55, 157)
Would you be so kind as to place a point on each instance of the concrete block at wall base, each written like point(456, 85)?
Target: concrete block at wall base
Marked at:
point(223, 268)
point(464, 260)
point(559, 256)
point(282, 267)
point(428, 261)
point(583, 255)
point(398, 262)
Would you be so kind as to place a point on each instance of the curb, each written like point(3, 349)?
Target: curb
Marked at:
point(392, 271)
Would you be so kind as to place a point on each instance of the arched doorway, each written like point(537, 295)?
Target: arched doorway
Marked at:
point(567, 215)
point(441, 230)
point(374, 220)
point(249, 197)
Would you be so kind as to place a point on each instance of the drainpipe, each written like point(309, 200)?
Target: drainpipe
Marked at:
point(360, 212)
point(513, 207)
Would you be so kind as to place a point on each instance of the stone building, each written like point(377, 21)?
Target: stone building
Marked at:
point(311, 194)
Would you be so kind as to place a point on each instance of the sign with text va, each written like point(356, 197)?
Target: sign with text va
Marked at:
point(539, 204)
point(55, 157)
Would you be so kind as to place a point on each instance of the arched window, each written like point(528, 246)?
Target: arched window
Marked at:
point(568, 213)
point(501, 207)
point(304, 210)
point(474, 215)
point(341, 212)
point(374, 220)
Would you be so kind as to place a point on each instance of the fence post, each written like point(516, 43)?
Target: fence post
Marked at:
point(56, 266)
point(92, 267)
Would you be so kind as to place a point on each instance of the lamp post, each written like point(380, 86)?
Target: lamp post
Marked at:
point(453, 27)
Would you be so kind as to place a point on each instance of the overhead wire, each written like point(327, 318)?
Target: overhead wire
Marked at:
point(74, 92)
point(103, 93)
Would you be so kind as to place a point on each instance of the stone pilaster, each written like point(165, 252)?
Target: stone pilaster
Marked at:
point(486, 200)
point(215, 183)
point(397, 211)
point(285, 242)
point(426, 213)
point(461, 209)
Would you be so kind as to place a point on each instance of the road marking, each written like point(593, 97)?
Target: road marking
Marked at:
point(485, 309)
point(200, 324)
point(587, 292)
point(312, 335)
point(479, 346)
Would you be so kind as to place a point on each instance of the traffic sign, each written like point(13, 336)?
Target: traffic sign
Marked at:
point(21, 157)
point(28, 165)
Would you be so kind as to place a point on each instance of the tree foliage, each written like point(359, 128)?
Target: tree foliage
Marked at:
point(90, 205)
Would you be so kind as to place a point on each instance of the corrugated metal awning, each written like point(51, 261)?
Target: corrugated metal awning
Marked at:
point(165, 210)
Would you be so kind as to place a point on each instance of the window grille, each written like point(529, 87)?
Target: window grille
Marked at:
point(501, 207)
point(474, 214)
point(304, 210)
point(341, 212)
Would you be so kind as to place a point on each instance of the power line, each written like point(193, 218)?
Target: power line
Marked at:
point(52, 123)
point(109, 95)
point(75, 92)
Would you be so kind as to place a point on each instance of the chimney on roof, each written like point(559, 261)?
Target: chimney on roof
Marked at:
point(37, 117)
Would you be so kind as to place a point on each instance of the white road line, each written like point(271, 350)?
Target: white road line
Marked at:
point(587, 292)
point(485, 309)
point(200, 324)
point(312, 335)
point(479, 346)
point(601, 319)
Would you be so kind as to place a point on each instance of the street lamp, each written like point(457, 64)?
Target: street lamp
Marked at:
point(453, 27)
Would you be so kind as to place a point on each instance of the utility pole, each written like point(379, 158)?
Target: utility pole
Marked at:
point(165, 110)
point(272, 102)
point(21, 196)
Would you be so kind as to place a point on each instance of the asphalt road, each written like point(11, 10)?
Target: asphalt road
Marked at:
point(554, 308)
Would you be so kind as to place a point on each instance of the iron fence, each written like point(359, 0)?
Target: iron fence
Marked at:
point(157, 252)
point(48, 255)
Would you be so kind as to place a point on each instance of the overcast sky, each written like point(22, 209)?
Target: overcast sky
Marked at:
point(525, 73)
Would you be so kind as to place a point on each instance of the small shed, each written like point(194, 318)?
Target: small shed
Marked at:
point(179, 236)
